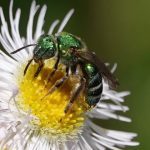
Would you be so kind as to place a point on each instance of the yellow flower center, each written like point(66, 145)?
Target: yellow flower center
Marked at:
point(49, 110)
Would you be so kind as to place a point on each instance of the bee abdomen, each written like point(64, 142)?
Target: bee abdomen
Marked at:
point(94, 84)
point(94, 90)
point(94, 80)
point(93, 100)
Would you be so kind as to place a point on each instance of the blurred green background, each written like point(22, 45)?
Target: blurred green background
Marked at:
point(118, 31)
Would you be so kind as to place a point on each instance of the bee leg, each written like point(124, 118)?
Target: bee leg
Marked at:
point(55, 68)
point(27, 66)
point(75, 93)
point(58, 83)
point(41, 64)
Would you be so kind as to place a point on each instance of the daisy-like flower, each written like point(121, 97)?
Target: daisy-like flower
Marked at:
point(27, 121)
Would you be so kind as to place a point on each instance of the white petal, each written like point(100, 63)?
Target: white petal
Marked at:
point(40, 23)
point(52, 27)
point(65, 21)
point(30, 39)
point(112, 107)
point(96, 113)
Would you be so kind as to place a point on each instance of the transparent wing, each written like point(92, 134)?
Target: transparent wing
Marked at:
point(91, 57)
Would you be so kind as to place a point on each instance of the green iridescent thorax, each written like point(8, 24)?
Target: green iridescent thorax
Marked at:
point(46, 47)
point(66, 42)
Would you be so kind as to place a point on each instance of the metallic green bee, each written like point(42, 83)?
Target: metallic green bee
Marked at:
point(74, 54)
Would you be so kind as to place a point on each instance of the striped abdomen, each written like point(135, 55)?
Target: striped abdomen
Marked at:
point(94, 84)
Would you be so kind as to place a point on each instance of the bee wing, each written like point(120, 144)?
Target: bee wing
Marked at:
point(91, 57)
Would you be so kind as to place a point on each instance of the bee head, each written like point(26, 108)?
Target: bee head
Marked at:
point(45, 49)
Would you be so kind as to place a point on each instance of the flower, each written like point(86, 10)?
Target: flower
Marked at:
point(29, 121)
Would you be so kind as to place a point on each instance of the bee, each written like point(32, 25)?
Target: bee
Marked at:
point(72, 52)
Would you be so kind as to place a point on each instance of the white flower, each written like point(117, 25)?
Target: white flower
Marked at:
point(22, 125)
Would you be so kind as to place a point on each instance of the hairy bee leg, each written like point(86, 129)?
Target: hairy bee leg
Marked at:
point(55, 68)
point(75, 93)
point(27, 66)
point(41, 64)
point(57, 84)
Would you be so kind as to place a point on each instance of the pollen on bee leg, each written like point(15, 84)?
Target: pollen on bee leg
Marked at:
point(49, 112)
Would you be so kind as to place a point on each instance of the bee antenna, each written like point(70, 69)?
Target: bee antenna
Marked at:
point(22, 48)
